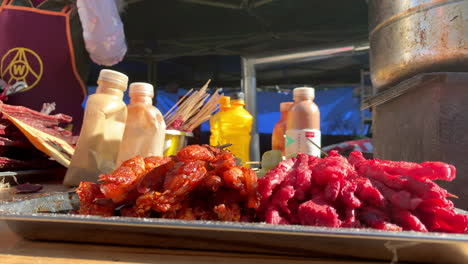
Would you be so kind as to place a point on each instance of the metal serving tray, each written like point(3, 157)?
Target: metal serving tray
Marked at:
point(25, 218)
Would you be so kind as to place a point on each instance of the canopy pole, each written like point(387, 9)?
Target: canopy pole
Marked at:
point(249, 87)
point(249, 80)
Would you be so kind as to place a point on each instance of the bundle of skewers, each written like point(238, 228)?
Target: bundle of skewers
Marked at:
point(194, 108)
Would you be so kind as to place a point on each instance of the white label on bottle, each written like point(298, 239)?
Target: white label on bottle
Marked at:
point(299, 141)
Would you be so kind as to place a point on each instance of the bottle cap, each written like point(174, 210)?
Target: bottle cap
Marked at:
point(225, 102)
point(237, 96)
point(284, 107)
point(308, 92)
point(114, 77)
point(141, 88)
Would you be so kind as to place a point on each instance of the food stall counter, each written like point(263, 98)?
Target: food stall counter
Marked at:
point(14, 249)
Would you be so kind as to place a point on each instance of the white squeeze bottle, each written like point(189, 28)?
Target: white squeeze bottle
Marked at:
point(103, 127)
point(303, 124)
point(145, 127)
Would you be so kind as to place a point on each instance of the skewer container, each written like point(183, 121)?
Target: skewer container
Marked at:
point(175, 140)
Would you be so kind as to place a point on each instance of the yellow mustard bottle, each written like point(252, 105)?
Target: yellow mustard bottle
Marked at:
point(235, 126)
point(224, 105)
point(145, 127)
point(103, 126)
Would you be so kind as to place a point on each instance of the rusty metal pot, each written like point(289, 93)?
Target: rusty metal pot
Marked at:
point(408, 37)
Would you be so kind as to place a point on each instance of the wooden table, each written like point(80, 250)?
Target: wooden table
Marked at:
point(15, 250)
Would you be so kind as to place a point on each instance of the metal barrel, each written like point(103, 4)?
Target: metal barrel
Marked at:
point(408, 37)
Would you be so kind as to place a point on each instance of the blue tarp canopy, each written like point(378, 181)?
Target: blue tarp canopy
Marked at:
point(339, 109)
point(340, 113)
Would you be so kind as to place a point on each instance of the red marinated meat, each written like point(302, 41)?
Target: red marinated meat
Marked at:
point(46, 123)
point(15, 143)
point(12, 132)
point(130, 212)
point(281, 198)
point(372, 169)
point(427, 206)
point(377, 218)
point(184, 177)
point(272, 216)
point(432, 170)
point(251, 185)
point(350, 220)
point(119, 184)
point(315, 190)
point(313, 161)
point(425, 188)
point(132, 176)
point(230, 212)
point(89, 194)
point(333, 166)
point(293, 206)
point(200, 183)
point(24, 112)
point(272, 179)
point(16, 150)
point(285, 192)
point(399, 198)
point(7, 164)
point(154, 178)
point(317, 212)
point(440, 170)
point(222, 162)
point(332, 190)
point(225, 196)
point(367, 193)
point(287, 189)
point(408, 221)
point(362, 193)
point(405, 200)
point(444, 220)
point(195, 153)
point(303, 175)
point(348, 194)
point(234, 178)
point(212, 182)
point(355, 158)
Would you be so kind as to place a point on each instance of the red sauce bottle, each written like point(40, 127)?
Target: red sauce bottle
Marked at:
point(277, 139)
point(303, 124)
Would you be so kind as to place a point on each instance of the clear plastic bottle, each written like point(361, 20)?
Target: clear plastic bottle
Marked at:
point(224, 105)
point(277, 138)
point(303, 124)
point(145, 127)
point(235, 127)
point(103, 126)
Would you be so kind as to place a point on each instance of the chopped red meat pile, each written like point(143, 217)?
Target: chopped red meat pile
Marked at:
point(355, 192)
point(200, 182)
point(16, 152)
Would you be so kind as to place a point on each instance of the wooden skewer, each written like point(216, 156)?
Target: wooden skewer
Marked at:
point(202, 112)
point(252, 162)
point(204, 115)
point(177, 103)
point(321, 150)
point(194, 108)
point(223, 146)
point(205, 112)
